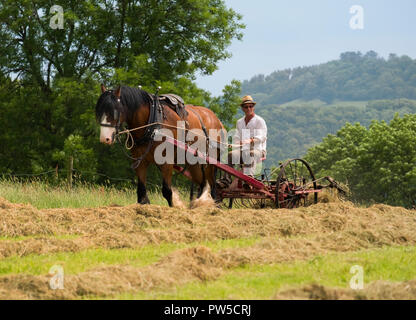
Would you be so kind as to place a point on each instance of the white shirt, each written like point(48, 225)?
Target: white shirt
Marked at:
point(255, 128)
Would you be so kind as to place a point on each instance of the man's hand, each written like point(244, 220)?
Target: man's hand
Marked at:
point(247, 141)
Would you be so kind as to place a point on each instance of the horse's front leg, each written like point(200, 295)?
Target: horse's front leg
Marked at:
point(141, 183)
point(167, 170)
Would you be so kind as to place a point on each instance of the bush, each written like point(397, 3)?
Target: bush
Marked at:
point(377, 163)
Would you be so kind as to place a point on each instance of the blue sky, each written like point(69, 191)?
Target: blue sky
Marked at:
point(283, 34)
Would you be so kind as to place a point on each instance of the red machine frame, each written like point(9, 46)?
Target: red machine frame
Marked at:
point(289, 190)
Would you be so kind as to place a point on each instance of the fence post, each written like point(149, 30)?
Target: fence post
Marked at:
point(70, 169)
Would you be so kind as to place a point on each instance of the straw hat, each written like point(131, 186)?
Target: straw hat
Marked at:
point(247, 99)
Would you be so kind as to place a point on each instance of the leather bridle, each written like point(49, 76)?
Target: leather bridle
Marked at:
point(116, 117)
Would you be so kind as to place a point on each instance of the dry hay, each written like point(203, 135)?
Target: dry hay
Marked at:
point(330, 195)
point(284, 235)
point(377, 290)
point(181, 267)
point(175, 269)
point(137, 225)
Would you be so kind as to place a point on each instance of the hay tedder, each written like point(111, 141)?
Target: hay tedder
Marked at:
point(295, 185)
point(289, 185)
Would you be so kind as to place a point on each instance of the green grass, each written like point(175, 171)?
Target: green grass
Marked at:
point(75, 262)
point(264, 281)
point(44, 196)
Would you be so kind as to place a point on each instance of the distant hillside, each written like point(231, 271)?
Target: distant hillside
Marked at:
point(305, 104)
point(354, 77)
point(296, 126)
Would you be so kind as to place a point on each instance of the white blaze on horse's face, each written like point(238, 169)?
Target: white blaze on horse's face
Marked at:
point(106, 133)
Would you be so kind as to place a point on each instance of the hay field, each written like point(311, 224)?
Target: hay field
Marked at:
point(155, 252)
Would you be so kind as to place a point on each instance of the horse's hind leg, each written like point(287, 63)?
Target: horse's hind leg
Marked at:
point(167, 182)
point(197, 177)
point(141, 183)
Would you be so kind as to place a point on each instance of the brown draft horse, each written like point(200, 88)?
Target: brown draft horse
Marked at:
point(134, 107)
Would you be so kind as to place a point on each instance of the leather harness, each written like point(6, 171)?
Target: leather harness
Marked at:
point(157, 115)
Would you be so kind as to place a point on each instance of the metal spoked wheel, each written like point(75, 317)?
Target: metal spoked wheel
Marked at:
point(294, 184)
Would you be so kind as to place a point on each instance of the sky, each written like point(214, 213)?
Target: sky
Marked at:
point(283, 34)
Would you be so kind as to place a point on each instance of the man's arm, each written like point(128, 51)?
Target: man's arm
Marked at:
point(260, 133)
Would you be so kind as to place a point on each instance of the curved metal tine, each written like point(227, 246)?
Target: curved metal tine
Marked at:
point(295, 173)
point(268, 178)
point(301, 177)
point(244, 203)
point(240, 203)
point(251, 203)
point(260, 203)
point(291, 169)
point(309, 181)
point(302, 174)
point(293, 177)
point(290, 200)
point(287, 201)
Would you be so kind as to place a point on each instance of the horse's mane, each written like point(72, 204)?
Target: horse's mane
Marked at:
point(131, 98)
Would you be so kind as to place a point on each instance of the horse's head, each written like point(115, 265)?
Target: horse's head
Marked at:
point(109, 113)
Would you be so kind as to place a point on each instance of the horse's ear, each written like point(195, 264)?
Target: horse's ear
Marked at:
point(118, 92)
point(103, 88)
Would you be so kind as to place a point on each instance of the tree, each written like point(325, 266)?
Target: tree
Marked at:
point(49, 78)
point(177, 37)
point(378, 163)
point(227, 105)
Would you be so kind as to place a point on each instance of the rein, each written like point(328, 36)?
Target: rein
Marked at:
point(130, 137)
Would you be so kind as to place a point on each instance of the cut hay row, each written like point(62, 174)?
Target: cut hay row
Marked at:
point(136, 226)
point(25, 220)
point(181, 267)
point(377, 290)
point(283, 236)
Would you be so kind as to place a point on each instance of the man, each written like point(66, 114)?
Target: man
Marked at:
point(251, 135)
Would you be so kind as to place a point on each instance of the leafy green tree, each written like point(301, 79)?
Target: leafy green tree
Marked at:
point(75, 148)
point(49, 104)
point(227, 105)
point(377, 163)
point(177, 37)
